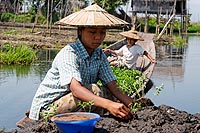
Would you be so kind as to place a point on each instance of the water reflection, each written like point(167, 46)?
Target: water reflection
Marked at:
point(178, 70)
point(170, 61)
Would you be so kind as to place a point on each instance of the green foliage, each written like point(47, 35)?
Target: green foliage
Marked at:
point(193, 28)
point(51, 110)
point(21, 18)
point(104, 45)
point(28, 18)
point(110, 5)
point(178, 43)
point(158, 89)
point(128, 80)
point(11, 32)
point(17, 55)
point(135, 106)
point(87, 106)
point(7, 17)
point(42, 19)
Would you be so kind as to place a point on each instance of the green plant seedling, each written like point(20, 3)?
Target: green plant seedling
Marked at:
point(49, 113)
point(158, 89)
point(87, 106)
point(135, 106)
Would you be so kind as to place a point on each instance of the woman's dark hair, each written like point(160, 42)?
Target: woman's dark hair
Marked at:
point(78, 32)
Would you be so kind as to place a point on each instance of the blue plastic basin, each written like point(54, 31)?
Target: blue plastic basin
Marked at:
point(76, 126)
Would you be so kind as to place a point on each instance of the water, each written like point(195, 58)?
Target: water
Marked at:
point(180, 78)
point(176, 69)
point(18, 85)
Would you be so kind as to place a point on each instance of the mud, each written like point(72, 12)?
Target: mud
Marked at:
point(44, 38)
point(148, 119)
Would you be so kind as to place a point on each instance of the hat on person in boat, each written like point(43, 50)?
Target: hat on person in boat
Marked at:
point(132, 34)
point(92, 15)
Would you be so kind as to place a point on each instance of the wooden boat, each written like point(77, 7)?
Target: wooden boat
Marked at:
point(143, 63)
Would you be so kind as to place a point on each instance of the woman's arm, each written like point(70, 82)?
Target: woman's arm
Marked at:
point(115, 108)
point(109, 51)
point(125, 99)
point(149, 57)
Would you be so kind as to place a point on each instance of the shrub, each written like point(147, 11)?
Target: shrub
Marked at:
point(6, 17)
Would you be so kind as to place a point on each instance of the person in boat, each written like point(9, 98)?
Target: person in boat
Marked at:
point(75, 72)
point(128, 54)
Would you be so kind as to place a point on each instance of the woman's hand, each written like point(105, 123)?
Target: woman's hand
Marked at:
point(106, 50)
point(120, 110)
point(154, 61)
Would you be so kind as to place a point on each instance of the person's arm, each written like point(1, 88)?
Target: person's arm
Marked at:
point(109, 51)
point(149, 57)
point(125, 99)
point(115, 108)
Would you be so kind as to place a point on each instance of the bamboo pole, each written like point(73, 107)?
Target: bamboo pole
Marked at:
point(48, 14)
point(61, 8)
point(51, 16)
point(164, 28)
point(146, 18)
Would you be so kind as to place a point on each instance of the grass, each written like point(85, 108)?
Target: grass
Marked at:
point(21, 54)
point(11, 32)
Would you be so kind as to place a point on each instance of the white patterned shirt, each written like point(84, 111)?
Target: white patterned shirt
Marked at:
point(72, 61)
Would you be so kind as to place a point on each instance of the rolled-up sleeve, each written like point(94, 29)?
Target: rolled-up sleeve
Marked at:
point(67, 66)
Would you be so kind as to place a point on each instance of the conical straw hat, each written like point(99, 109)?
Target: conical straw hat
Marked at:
point(132, 34)
point(92, 15)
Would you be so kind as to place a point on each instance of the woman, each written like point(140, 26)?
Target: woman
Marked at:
point(127, 55)
point(76, 70)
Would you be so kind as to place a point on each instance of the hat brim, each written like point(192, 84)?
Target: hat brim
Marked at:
point(92, 15)
point(132, 35)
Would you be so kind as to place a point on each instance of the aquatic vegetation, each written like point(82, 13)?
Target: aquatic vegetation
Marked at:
point(178, 42)
point(21, 54)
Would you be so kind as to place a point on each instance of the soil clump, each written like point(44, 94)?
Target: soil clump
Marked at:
point(148, 119)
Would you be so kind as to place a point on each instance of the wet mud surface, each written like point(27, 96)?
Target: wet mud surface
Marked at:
point(149, 119)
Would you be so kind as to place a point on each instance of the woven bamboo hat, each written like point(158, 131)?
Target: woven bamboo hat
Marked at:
point(132, 34)
point(92, 15)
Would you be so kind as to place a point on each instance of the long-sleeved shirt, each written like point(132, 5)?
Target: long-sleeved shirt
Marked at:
point(72, 61)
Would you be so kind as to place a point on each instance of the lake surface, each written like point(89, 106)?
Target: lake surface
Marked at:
point(180, 77)
point(177, 70)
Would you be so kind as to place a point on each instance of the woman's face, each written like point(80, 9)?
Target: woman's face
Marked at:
point(131, 41)
point(92, 37)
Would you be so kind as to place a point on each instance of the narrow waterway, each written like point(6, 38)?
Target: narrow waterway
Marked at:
point(177, 70)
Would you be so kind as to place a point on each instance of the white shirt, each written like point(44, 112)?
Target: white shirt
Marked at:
point(130, 55)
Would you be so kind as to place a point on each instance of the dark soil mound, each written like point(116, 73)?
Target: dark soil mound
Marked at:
point(162, 119)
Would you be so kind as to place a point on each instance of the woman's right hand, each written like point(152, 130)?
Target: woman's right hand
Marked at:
point(106, 50)
point(120, 110)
